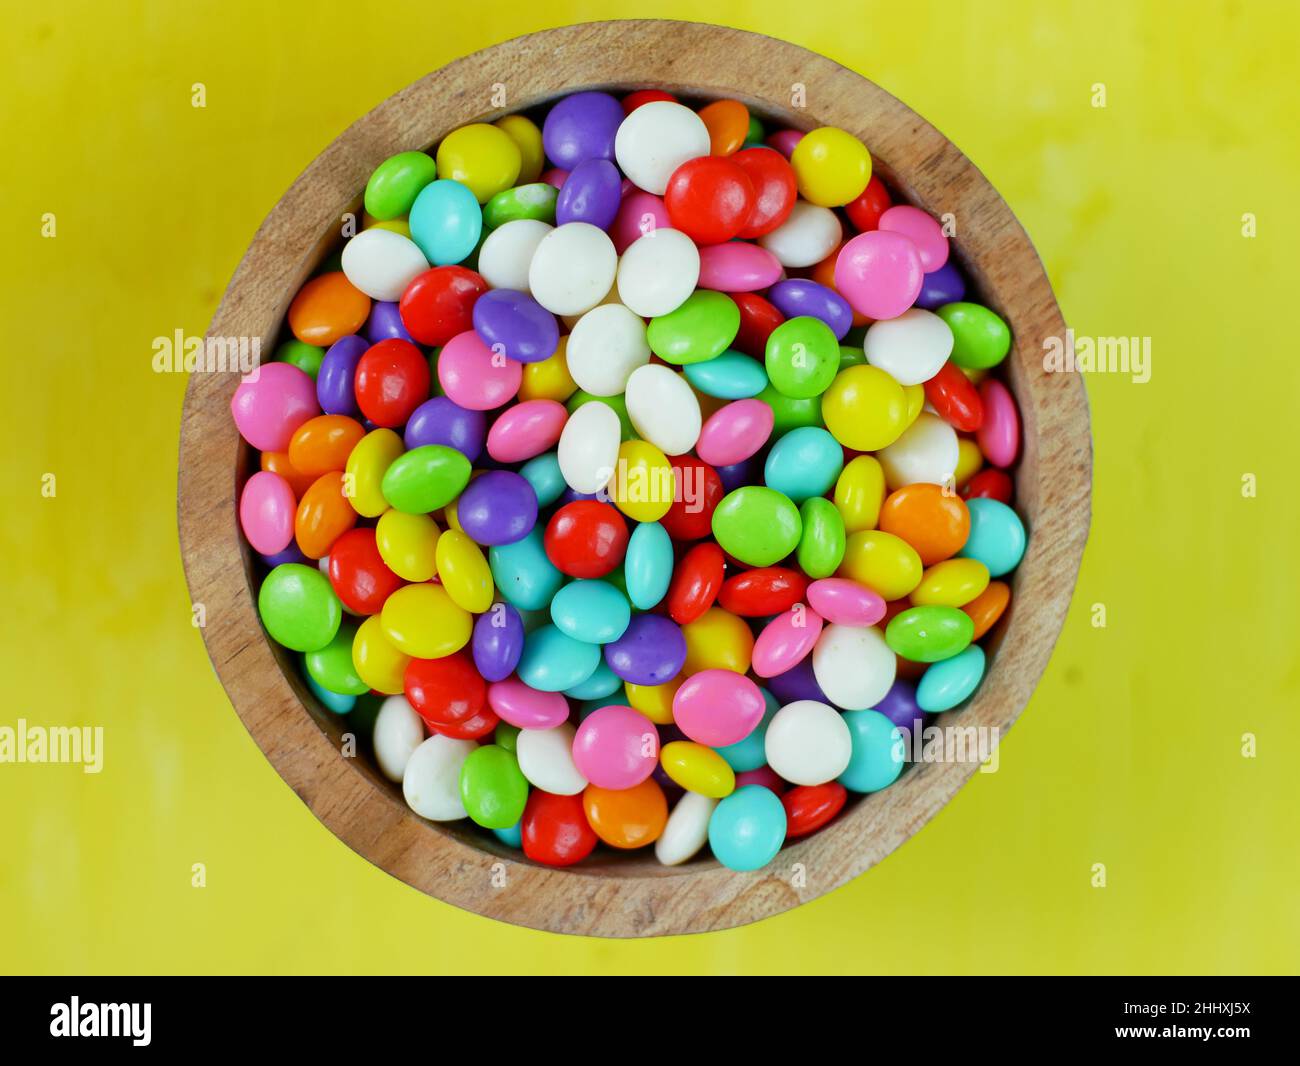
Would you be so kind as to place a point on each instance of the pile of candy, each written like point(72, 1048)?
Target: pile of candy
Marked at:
point(671, 477)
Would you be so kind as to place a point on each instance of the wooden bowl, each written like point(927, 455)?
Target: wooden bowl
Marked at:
point(626, 894)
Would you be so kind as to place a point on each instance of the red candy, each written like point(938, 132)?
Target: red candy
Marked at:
point(710, 199)
point(361, 579)
point(439, 303)
point(696, 583)
point(475, 728)
point(691, 515)
point(645, 96)
point(555, 829)
point(392, 381)
point(758, 318)
point(809, 807)
point(775, 189)
point(586, 538)
point(445, 692)
point(990, 484)
point(763, 592)
point(865, 211)
point(958, 402)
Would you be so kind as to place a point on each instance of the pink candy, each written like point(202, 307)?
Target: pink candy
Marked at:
point(735, 432)
point(738, 267)
point(526, 430)
point(718, 707)
point(526, 707)
point(638, 214)
point(845, 603)
point(272, 402)
point(472, 375)
point(999, 433)
point(786, 641)
point(616, 747)
point(879, 273)
point(922, 230)
point(266, 512)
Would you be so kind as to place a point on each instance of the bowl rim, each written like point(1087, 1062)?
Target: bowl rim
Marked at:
point(611, 897)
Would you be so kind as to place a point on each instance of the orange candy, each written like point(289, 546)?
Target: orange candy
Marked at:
point(324, 515)
point(627, 817)
point(934, 523)
point(824, 274)
point(986, 608)
point(327, 308)
point(728, 124)
point(323, 443)
point(278, 463)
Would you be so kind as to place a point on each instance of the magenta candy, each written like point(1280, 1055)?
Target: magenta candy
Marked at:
point(764, 776)
point(475, 377)
point(845, 603)
point(922, 230)
point(525, 707)
point(639, 213)
point(497, 507)
point(271, 403)
point(735, 432)
point(525, 430)
point(999, 433)
point(266, 512)
point(616, 747)
point(738, 267)
point(555, 177)
point(786, 641)
point(879, 273)
point(718, 707)
point(784, 141)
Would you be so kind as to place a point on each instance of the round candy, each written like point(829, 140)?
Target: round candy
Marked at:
point(639, 214)
point(823, 542)
point(808, 743)
point(554, 661)
point(444, 691)
point(952, 583)
point(528, 138)
point(525, 707)
point(809, 807)
point(423, 621)
point(663, 408)
point(729, 376)
point(699, 491)
point(762, 592)
point(464, 572)
point(445, 222)
point(865, 408)
point(593, 611)
point(266, 512)
point(395, 183)
point(710, 199)
point(606, 346)
point(738, 268)
point(695, 583)
point(735, 432)
point(580, 127)
point(506, 254)
point(884, 563)
point(880, 274)
point(865, 211)
point(439, 304)
point(616, 747)
point(922, 230)
point(929, 634)
point(331, 667)
point(651, 652)
point(358, 574)
point(686, 831)
point(323, 443)
point(999, 435)
point(698, 769)
point(718, 707)
point(844, 602)
point(492, 789)
point(997, 536)
point(522, 571)
point(757, 525)
point(643, 486)
point(572, 269)
point(324, 514)
point(526, 430)
point(626, 818)
point(408, 544)
point(392, 380)
point(775, 190)
point(879, 751)
point(955, 399)
point(728, 123)
point(497, 507)
point(474, 376)
point(657, 272)
point(980, 338)
point(586, 538)
point(657, 138)
point(335, 390)
point(378, 663)
point(805, 462)
point(910, 348)
point(925, 451)
point(546, 759)
point(483, 158)
point(986, 608)
point(271, 403)
point(950, 682)
point(854, 666)
point(381, 263)
point(700, 328)
point(747, 828)
point(397, 733)
point(592, 193)
point(648, 565)
point(933, 521)
point(515, 325)
point(807, 236)
point(588, 447)
point(426, 478)
point(802, 357)
point(832, 166)
point(497, 642)
point(555, 830)
point(326, 309)
point(800, 297)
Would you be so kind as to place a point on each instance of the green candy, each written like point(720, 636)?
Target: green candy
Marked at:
point(702, 328)
point(980, 339)
point(535, 201)
point(426, 478)
point(493, 788)
point(789, 413)
point(306, 357)
point(299, 607)
point(755, 133)
point(802, 357)
point(396, 183)
point(821, 545)
point(929, 634)
point(506, 736)
point(851, 356)
point(331, 666)
point(757, 525)
point(617, 403)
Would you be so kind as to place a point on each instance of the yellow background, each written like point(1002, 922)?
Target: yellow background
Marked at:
point(1130, 752)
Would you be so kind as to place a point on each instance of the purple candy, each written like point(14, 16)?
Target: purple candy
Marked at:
point(498, 507)
point(291, 554)
point(797, 683)
point(899, 706)
point(440, 421)
point(942, 286)
point(569, 495)
point(592, 193)
point(651, 652)
point(498, 642)
point(581, 127)
point(737, 474)
point(796, 297)
point(385, 323)
point(524, 329)
point(338, 371)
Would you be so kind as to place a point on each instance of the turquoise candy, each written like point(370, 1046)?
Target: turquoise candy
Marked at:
point(997, 536)
point(747, 828)
point(553, 661)
point(805, 462)
point(523, 573)
point(512, 837)
point(648, 565)
point(750, 753)
point(729, 376)
point(879, 752)
point(604, 682)
point(446, 222)
point(591, 611)
point(542, 472)
point(946, 684)
point(331, 701)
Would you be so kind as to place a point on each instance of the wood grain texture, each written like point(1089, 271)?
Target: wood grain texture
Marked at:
point(627, 895)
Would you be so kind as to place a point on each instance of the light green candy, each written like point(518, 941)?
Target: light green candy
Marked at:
point(701, 328)
point(306, 357)
point(821, 545)
point(929, 634)
point(426, 478)
point(492, 787)
point(789, 413)
point(396, 183)
point(980, 339)
point(802, 357)
point(617, 403)
point(331, 666)
point(757, 525)
point(299, 607)
point(535, 201)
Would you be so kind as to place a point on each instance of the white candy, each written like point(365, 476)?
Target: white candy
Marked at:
point(588, 448)
point(546, 759)
point(686, 831)
point(572, 268)
point(658, 271)
point(605, 346)
point(655, 140)
point(431, 783)
point(853, 666)
point(926, 452)
point(398, 732)
point(911, 348)
point(506, 255)
point(808, 743)
point(663, 408)
point(382, 263)
point(808, 236)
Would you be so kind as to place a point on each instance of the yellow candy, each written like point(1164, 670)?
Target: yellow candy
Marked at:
point(831, 166)
point(370, 459)
point(698, 769)
point(397, 225)
point(549, 379)
point(483, 158)
point(643, 485)
point(377, 662)
point(865, 408)
point(886, 564)
point(408, 544)
point(717, 640)
point(654, 701)
point(915, 397)
point(969, 461)
point(528, 139)
point(424, 622)
point(951, 583)
point(464, 572)
point(976, 373)
point(859, 492)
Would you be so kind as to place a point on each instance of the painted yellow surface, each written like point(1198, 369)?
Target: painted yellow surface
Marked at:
point(1130, 754)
